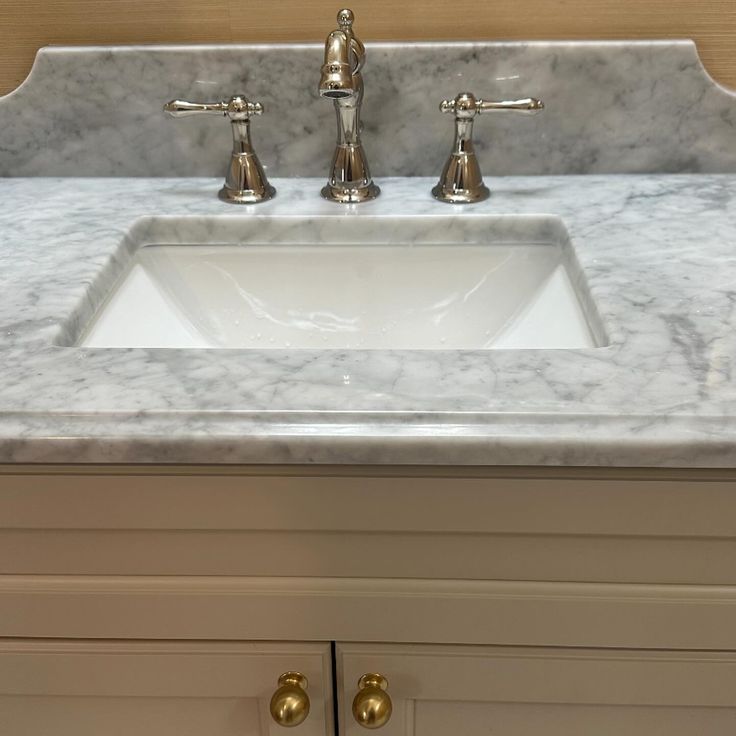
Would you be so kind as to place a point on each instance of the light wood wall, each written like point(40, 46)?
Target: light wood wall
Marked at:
point(27, 24)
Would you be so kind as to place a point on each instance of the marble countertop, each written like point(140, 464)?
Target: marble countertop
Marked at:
point(658, 253)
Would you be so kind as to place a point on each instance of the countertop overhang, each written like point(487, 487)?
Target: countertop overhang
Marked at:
point(658, 254)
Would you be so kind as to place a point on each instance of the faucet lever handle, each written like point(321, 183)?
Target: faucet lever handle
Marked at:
point(237, 107)
point(245, 182)
point(461, 181)
point(466, 106)
point(527, 105)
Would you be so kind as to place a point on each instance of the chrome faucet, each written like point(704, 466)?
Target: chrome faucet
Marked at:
point(246, 181)
point(341, 81)
point(461, 181)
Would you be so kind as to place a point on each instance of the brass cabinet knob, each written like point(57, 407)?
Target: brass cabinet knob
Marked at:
point(290, 703)
point(372, 705)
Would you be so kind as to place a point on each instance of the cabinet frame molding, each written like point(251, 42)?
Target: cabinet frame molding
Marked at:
point(365, 610)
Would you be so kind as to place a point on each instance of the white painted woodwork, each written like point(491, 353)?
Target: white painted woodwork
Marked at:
point(478, 691)
point(564, 719)
point(150, 688)
point(498, 602)
point(504, 526)
point(322, 609)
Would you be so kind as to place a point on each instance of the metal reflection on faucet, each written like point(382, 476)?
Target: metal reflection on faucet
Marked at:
point(461, 181)
point(341, 80)
point(245, 182)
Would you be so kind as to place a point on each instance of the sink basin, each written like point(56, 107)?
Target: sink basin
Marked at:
point(339, 283)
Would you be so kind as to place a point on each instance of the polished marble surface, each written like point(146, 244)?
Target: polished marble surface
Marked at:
point(656, 253)
point(610, 107)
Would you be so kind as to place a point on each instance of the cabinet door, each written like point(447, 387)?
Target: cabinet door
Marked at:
point(81, 688)
point(489, 691)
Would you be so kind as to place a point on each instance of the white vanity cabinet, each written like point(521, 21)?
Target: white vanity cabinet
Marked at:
point(156, 688)
point(164, 688)
point(137, 601)
point(512, 691)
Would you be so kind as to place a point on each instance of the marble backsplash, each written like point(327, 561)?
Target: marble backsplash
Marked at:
point(611, 107)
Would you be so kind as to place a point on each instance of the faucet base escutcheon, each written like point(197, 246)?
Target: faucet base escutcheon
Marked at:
point(461, 181)
point(246, 181)
point(460, 196)
point(246, 196)
point(350, 196)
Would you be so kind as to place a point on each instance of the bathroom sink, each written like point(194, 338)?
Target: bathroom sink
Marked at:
point(338, 283)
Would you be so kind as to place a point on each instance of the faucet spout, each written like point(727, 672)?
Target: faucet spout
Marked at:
point(337, 72)
point(350, 180)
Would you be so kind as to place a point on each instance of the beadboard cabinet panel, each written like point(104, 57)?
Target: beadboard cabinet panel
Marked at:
point(665, 530)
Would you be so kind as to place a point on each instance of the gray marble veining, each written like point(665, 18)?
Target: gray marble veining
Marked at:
point(611, 107)
point(658, 255)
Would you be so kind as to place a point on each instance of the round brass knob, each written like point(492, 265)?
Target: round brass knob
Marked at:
point(372, 705)
point(290, 703)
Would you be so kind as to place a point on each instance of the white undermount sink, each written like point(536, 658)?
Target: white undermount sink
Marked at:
point(440, 283)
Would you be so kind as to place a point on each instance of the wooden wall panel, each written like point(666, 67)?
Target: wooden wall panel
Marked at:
point(27, 24)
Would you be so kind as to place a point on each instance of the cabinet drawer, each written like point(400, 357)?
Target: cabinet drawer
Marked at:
point(156, 689)
point(505, 691)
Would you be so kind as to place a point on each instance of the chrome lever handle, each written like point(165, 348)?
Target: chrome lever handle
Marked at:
point(237, 107)
point(466, 105)
point(527, 105)
point(461, 181)
point(182, 108)
point(245, 182)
